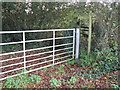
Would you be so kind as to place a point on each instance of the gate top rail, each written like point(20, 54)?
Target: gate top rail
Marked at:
point(1, 32)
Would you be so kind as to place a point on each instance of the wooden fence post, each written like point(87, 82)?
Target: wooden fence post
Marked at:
point(90, 32)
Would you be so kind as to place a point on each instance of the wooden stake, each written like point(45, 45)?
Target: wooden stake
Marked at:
point(90, 31)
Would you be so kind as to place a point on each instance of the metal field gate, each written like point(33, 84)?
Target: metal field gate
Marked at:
point(28, 60)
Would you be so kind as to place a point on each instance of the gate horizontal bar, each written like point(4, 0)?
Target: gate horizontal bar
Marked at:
point(35, 49)
point(11, 65)
point(63, 53)
point(11, 70)
point(11, 53)
point(11, 43)
point(63, 57)
point(28, 31)
point(38, 48)
point(64, 49)
point(63, 44)
point(28, 41)
point(34, 70)
point(39, 40)
point(33, 59)
point(38, 59)
point(39, 54)
point(11, 59)
point(64, 37)
point(26, 50)
point(48, 65)
point(39, 63)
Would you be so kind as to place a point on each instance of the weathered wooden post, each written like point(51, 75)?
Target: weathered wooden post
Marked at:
point(77, 42)
point(90, 32)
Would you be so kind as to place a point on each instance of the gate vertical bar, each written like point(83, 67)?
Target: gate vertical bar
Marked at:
point(24, 50)
point(73, 44)
point(53, 47)
point(77, 42)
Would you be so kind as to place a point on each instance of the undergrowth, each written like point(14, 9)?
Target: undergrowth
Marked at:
point(21, 81)
point(98, 64)
point(102, 61)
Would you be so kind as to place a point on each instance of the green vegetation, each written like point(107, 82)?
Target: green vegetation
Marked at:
point(115, 86)
point(55, 82)
point(61, 67)
point(99, 63)
point(72, 80)
point(45, 69)
point(21, 81)
point(85, 86)
point(71, 62)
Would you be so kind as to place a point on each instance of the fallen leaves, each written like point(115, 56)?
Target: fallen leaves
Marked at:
point(71, 71)
point(105, 78)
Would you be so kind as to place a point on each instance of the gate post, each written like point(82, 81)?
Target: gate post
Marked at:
point(77, 45)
